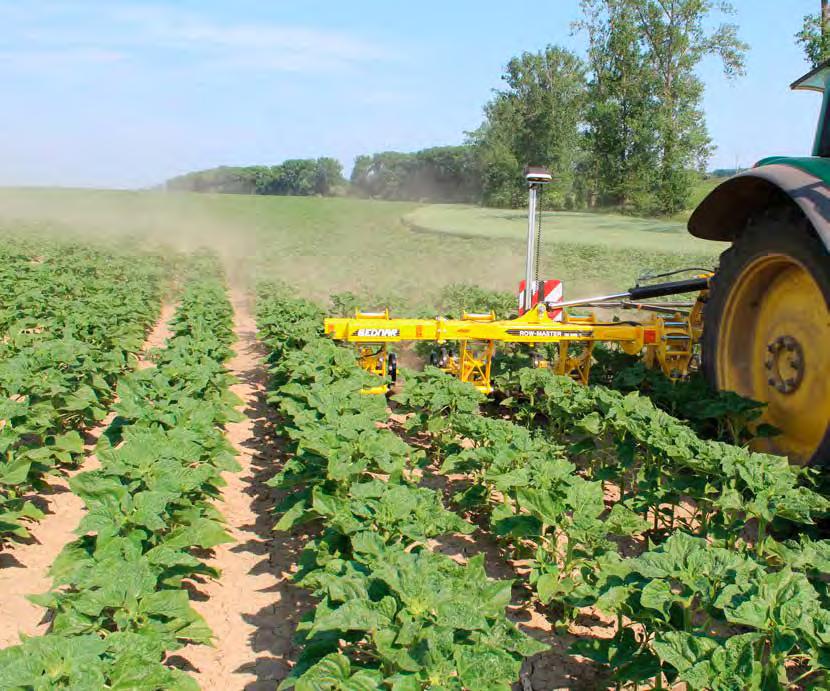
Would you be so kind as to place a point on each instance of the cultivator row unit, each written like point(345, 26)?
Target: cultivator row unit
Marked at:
point(465, 347)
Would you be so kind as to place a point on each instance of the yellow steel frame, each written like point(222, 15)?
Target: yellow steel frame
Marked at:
point(473, 363)
point(374, 358)
point(668, 342)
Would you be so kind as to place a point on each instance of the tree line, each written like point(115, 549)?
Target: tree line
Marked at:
point(622, 126)
point(297, 177)
point(441, 174)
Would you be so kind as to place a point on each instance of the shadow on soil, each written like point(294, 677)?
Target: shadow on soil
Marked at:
point(271, 644)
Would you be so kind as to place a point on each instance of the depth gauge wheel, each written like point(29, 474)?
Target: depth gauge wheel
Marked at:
point(766, 331)
point(393, 367)
point(439, 358)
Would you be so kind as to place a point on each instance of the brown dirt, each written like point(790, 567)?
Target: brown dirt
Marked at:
point(252, 608)
point(24, 566)
point(159, 335)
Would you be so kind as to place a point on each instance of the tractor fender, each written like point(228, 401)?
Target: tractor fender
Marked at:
point(724, 213)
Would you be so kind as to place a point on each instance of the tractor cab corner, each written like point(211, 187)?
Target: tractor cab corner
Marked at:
point(817, 80)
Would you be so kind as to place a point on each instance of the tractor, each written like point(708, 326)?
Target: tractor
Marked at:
point(766, 322)
point(760, 323)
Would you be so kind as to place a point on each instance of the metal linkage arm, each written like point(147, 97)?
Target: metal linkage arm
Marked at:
point(689, 285)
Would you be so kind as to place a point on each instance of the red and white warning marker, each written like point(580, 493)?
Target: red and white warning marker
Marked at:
point(550, 291)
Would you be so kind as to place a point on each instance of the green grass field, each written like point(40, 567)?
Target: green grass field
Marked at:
point(396, 253)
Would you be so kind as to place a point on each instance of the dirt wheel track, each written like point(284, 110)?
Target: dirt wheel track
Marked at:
point(252, 608)
point(24, 566)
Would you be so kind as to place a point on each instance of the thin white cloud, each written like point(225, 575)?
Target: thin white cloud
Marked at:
point(47, 30)
point(37, 59)
point(278, 38)
point(269, 47)
point(388, 98)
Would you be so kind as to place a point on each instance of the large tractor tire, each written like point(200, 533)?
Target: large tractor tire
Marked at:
point(766, 331)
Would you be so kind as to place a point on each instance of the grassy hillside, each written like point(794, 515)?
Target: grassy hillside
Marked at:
point(609, 230)
point(330, 245)
point(588, 250)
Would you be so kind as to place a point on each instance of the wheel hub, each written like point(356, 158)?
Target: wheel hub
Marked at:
point(785, 364)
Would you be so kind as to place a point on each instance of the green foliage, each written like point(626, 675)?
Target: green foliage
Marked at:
point(296, 177)
point(440, 174)
point(646, 129)
point(549, 514)
point(430, 621)
point(665, 461)
point(721, 415)
point(457, 298)
point(345, 303)
point(436, 401)
point(335, 672)
point(221, 180)
point(670, 589)
point(73, 321)
point(535, 121)
point(621, 138)
point(118, 604)
point(814, 37)
point(88, 663)
point(715, 601)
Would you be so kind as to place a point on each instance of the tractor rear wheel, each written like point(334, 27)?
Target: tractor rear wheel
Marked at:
point(766, 331)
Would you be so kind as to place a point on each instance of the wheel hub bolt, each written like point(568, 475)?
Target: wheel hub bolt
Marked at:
point(785, 364)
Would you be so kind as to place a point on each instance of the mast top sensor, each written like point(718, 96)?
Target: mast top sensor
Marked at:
point(537, 175)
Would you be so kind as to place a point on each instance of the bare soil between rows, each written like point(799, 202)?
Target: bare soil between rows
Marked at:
point(252, 609)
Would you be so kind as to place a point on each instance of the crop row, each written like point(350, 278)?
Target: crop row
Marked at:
point(391, 612)
point(118, 604)
point(73, 320)
point(712, 599)
point(712, 414)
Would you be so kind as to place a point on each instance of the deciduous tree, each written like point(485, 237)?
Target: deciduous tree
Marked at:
point(620, 137)
point(646, 98)
point(534, 120)
point(814, 36)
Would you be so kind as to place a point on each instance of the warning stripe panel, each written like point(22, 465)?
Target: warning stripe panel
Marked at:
point(552, 290)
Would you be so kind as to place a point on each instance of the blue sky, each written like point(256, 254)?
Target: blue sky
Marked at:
point(126, 94)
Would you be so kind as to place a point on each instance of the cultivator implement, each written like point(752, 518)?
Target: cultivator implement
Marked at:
point(466, 347)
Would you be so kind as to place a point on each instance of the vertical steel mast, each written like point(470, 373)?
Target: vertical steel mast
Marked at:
point(536, 177)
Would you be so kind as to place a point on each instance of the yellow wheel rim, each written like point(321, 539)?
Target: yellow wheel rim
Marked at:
point(772, 347)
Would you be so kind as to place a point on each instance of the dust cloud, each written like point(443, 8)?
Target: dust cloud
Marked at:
point(150, 220)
